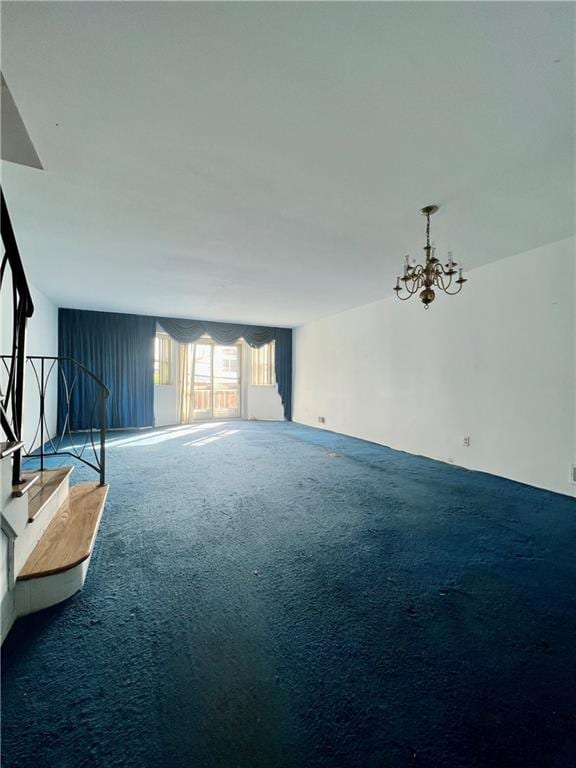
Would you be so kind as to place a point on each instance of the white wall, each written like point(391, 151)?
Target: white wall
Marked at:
point(263, 403)
point(496, 363)
point(256, 402)
point(42, 339)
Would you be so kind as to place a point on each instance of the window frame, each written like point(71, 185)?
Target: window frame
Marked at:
point(263, 372)
point(163, 363)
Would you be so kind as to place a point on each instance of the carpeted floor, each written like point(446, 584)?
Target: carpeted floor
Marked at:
point(269, 595)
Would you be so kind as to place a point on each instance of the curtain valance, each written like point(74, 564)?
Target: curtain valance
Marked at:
point(188, 331)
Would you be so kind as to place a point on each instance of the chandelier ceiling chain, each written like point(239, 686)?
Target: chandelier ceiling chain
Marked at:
point(432, 274)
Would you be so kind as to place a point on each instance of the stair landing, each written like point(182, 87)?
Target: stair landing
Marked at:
point(69, 538)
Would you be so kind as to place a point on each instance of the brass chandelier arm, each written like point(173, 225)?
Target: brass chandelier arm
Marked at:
point(441, 282)
point(405, 298)
point(413, 272)
point(446, 277)
point(418, 270)
point(410, 290)
point(453, 293)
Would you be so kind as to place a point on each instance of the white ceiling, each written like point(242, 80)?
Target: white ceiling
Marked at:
point(265, 162)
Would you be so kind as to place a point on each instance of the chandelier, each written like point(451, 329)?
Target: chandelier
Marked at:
point(432, 274)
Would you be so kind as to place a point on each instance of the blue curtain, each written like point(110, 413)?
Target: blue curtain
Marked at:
point(283, 360)
point(117, 348)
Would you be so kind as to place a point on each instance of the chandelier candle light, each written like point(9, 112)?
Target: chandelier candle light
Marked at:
point(430, 275)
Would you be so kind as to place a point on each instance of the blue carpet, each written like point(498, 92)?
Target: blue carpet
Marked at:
point(269, 595)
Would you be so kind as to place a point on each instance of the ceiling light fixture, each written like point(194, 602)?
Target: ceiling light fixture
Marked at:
point(430, 275)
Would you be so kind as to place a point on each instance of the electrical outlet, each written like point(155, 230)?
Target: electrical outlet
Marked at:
point(467, 442)
point(321, 419)
point(573, 474)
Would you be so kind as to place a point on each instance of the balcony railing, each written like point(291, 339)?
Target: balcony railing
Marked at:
point(47, 434)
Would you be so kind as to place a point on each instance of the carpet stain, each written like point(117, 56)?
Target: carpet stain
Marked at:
point(252, 605)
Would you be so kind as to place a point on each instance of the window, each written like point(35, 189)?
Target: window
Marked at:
point(263, 372)
point(162, 359)
point(230, 365)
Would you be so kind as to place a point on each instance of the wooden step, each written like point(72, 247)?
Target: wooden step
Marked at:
point(8, 448)
point(28, 480)
point(69, 538)
point(42, 491)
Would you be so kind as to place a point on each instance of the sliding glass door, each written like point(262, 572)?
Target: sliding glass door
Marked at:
point(225, 381)
point(202, 382)
point(210, 381)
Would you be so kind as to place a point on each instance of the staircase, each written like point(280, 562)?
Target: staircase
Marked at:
point(48, 534)
point(48, 526)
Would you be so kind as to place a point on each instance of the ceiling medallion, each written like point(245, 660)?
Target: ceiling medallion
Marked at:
point(430, 275)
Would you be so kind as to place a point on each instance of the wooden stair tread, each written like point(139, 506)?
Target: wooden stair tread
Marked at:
point(69, 538)
point(8, 448)
point(28, 480)
point(42, 491)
